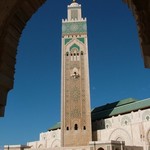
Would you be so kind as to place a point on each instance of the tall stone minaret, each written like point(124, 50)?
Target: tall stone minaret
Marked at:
point(75, 93)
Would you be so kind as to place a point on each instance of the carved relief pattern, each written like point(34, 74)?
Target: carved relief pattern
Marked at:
point(75, 92)
point(146, 116)
point(108, 124)
point(83, 91)
point(125, 120)
point(148, 136)
point(67, 94)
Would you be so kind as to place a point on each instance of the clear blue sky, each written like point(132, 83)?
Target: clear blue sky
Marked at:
point(116, 66)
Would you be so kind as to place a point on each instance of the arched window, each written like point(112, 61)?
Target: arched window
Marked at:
point(78, 57)
point(100, 148)
point(81, 52)
point(75, 127)
point(84, 128)
point(71, 57)
point(67, 53)
point(67, 128)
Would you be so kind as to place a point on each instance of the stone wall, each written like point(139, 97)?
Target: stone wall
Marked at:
point(133, 128)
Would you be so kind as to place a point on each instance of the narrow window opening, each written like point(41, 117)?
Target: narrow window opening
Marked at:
point(81, 52)
point(67, 128)
point(67, 54)
point(84, 128)
point(78, 57)
point(75, 127)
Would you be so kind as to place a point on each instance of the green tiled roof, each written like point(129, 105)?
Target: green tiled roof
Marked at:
point(119, 107)
point(55, 127)
point(113, 109)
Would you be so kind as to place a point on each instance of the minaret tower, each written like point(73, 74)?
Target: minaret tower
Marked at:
point(75, 93)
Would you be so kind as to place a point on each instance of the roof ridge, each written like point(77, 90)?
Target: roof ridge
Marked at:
point(122, 102)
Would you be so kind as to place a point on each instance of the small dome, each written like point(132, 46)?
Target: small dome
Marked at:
point(74, 4)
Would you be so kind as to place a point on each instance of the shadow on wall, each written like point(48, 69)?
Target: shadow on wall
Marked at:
point(100, 114)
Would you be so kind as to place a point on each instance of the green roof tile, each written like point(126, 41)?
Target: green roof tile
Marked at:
point(113, 109)
point(55, 127)
point(120, 107)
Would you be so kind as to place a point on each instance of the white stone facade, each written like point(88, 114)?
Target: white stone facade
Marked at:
point(132, 128)
point(49, 139)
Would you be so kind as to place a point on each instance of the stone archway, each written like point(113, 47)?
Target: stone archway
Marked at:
point(120, 134)
point(14, 15)
point(141, 13)
point(100, 148)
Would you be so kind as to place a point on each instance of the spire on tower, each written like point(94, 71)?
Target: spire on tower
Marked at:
point(74, 1)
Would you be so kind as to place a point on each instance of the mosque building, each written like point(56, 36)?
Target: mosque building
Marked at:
point(121, 125)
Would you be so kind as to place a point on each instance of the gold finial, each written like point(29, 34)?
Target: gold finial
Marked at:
point(74, 1)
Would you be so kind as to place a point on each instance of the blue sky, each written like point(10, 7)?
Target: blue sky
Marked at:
point(116, 66)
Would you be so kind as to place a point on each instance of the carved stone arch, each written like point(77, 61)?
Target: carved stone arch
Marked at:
point(119, 138)
point(75, 47)
point(121, 133)
point(40, 146)
point(13, 21)
point(148, 136)
point(100, 148)
point(75, 73)
point(146, 115)
point(80, 44)
point(126, 120)
point(56, 143)
point(141, 12)
point(108, 124)
point(76, 123)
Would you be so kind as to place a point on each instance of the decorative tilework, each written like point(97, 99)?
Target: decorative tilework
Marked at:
point(74, 27)
point(75, 46)
point(67, 40)
point(81, 40)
